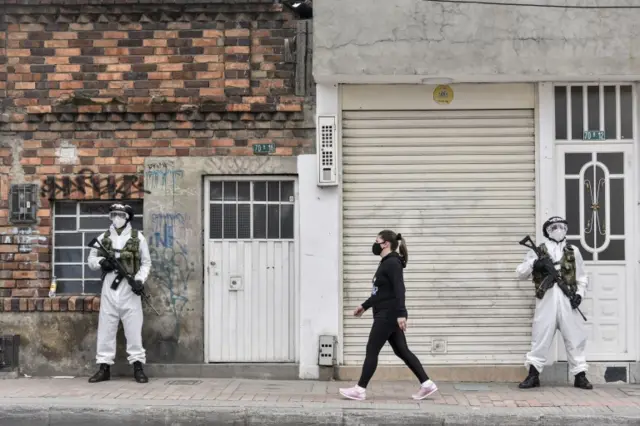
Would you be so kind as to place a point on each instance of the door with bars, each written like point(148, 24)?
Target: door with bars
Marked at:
point(251, 270)
point(595, 145)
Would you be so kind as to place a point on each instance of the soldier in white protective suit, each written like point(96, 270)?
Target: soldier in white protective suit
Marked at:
point(124, 303)
point(555, 311)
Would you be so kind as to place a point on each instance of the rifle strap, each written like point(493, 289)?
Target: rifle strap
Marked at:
point(116, 282)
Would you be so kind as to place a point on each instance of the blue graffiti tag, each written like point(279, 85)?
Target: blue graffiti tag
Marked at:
point(172, 271)
point(162, 175)
point(165, 227)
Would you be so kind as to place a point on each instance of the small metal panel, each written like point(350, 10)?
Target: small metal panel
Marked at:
point(9, 352)
point(327, 350)
point(235, 283)
point(23, 205)
point(439, 346)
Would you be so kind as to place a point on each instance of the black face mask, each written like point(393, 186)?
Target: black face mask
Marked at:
point(376, 248)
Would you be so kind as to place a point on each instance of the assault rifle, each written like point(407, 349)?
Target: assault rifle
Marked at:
point(552, 276)
point(122, 273)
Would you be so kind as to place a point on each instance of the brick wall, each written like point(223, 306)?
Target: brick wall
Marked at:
point(88, 91)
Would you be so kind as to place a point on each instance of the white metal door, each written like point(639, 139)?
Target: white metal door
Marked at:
point(460, 186)
point(251, 270)
point(595, 195)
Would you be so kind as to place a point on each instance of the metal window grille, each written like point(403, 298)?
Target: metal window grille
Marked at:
point(252, 210)
point(9, 352)
point(75, 224)
point(23, 203)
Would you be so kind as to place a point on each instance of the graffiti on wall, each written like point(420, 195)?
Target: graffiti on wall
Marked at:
point(169, 230)
point(92, 185)
point(163, 176)
point(173, 265)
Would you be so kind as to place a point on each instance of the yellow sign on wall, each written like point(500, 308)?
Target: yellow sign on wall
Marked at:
point(443, 94)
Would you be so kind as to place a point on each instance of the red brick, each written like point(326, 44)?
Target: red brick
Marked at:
point(183, 143)
point(55, 304)
point(25, 86)
point(18, 52)
point(56, 60)
point(237, 50)
point(163, 152)
point(289, 107)
point(7, 283)
point(65, 35)
point(68, 52)
point(60, 77)
point(239, 107)
point(237, 83)
point(237, 33)
point(207, 58)
point(209, 75)
point(24, 292)
point(21, 275)
point(116, 34)
point(59, 44)
point(68, 68)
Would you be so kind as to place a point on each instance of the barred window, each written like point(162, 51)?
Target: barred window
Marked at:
point(242, 210)
point(76, 223)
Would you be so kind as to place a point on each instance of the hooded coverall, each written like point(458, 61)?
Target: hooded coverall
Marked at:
point(121, 303)
point(554, 312)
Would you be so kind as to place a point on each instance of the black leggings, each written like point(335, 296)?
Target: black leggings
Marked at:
point(384, 330)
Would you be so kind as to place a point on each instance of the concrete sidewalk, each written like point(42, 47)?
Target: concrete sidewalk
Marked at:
point(60, 401)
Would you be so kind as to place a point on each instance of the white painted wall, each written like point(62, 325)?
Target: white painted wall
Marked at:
point(319, 251)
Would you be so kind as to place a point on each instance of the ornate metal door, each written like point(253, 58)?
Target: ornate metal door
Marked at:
point(596, 196)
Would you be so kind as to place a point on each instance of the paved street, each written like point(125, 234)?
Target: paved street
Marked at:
point(65, 401)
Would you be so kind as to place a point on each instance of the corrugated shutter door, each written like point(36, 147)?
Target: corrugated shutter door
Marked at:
point(460, 186)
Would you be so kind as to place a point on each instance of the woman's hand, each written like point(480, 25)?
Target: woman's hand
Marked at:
point(358, 311)
point(402, 323)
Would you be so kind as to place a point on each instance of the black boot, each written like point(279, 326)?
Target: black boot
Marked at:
point(102, 375)
point(138, 373)
point(532, 380)
point(582, 382)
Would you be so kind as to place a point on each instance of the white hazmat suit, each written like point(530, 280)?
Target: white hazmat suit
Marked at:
point(121, 303)
point(553, 312)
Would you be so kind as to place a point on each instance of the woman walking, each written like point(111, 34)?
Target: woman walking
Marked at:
point(389, 317)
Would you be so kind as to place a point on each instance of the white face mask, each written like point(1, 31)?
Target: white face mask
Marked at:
point(118, 222)
point(558, 234)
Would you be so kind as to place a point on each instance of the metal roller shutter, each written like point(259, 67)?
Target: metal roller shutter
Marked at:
point(460, 186)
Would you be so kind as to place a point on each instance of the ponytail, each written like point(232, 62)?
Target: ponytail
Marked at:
point(402, 248)
point(397, 243)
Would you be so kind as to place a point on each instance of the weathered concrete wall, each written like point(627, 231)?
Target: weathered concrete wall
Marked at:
point(174, 226)
point(407, 40)
point(56, 344)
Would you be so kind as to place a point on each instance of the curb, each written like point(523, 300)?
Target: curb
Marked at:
point(75, 415)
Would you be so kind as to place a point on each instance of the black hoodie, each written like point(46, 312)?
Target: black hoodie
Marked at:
point(387, 294)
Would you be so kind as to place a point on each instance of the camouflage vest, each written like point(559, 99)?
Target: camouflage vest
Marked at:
point(130, 253)
point(567, 270)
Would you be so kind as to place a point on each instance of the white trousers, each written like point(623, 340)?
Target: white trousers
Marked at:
point(553, 313)
point(115, 306)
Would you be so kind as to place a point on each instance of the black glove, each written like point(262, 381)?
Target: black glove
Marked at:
point(575, 300)
point(137, 287)
point(107, 265)
point(543, 265)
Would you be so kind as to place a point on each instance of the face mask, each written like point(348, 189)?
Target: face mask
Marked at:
point(557, 234)
point(376, 248)
point(119, 222)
